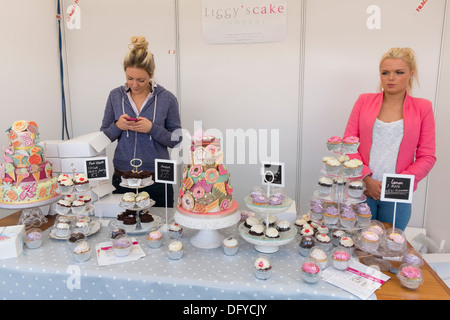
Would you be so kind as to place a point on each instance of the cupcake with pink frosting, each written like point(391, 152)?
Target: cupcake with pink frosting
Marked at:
point(334, 144)
point(350, 145)
point(310, 271)
point(154, 239)
point(395, 239)
point(410, 276)
point(340, 258)
point(370, 240)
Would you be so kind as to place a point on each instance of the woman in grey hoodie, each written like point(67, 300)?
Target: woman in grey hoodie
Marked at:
point(144, 119)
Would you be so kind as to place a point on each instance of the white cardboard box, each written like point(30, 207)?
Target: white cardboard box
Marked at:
point(85, 146)
point(108, 206)
point(56, 162)
point(11, 241)
point(51, 148)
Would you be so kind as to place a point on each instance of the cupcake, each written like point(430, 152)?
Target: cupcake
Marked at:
point(85, 198)
point(299, 223)
point(65, 185)
point(128, 200)
point(310, 271)
point(70, 198)
point(319, 256)
point(316, 209)
point(62, 230)
point(142, 199)
point(377, 227)
point(115, 232)
point(269, 220)
point(122, 246)
point(343, 157)
point(250, 222)
point(370, 240)
point(412, 257)
point(340, 258)
point(331, 215)
point(230, 246)
point(132, 178)
point(272, 233)
point(347, 243)
point(334, 144)
point(321, 229)
point(82, 226)
point(355, 189)
point(154, 239)
point(410, 276)
point(349, 168)
point(276, 200)
point(263, 268)
point(175, 250)
point(333, 166)
point(347, 217)
point(359, 167)
point(78, 207)
point(146, 220)
point(129, 222)
point(259, 200)
point(75, 236)
point(363, 214)
point(283, 226)
point(147, 178)
point(307, 231)
point(306, 243)
point(395, 240)
point(63, 206)
point(257, 230)
point(336, 236)
point(81, 251)
point(81, 182)
point(350, 145)
point(339, 185)
point(323, 241)
point(325, 185)
point(33, 238)
point(175, 230)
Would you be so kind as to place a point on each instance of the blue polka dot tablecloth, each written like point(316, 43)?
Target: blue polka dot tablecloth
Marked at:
point(50, 272)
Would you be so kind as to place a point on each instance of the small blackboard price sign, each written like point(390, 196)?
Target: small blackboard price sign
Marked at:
point(97, 168)
point(165, 171)
point(273, 173)
point(397, 188)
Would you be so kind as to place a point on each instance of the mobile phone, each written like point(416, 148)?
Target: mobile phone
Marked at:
point(132, 119)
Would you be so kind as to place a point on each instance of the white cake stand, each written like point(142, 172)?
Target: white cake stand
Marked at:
point(207, 237)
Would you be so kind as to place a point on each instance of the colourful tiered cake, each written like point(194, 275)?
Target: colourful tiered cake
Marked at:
point(25, 176)
point(206, 182)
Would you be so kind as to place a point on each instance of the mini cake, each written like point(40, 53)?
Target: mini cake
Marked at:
point(370, 240)
point(323, 241)
point(78, 206)
point(81, 251)
point(230, 246)
point(117, 232)
point(128, 200)
point(122, 246)
point(63, 206)
point(363, 214)
point(75, 236)
point(62, 230)
point(410, 276)
point(325, 185)
point(334, 144)
point(175, 250)
point(250, 222)
point(283, 226)
point(310, 271)
point(331, 215)
point(319, 256)
point(347, 217)
point(395, 240)
point(350, 145)
point(316, 209)
point(175, 230)
point(143, 199)
point(154, 239)
point(272, 233)
point(333, 166)
point(33, 238)
point(306, 243)
point(355, 189)
point(340, 259)
point(81, 182)
point(256, 230)
point(263, 268)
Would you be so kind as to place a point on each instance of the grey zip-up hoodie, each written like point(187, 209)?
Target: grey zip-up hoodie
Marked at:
point(161, 109)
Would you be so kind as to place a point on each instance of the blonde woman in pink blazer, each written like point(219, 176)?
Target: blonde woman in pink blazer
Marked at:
point(396, 133)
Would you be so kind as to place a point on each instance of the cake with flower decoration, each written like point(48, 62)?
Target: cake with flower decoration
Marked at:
point(25, 176)
point(205, 187)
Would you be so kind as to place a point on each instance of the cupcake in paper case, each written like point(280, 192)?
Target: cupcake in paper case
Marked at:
point(370, 240)
point(33, 238)
point(146, 219)
point(350, 145)
point(340, 258)
point(175, 230)
point(333, 166)
point(62, 230)
point(82, 226)
point(257, 230)
point(230, 246)
point(122, 246)
point(347, 217)
point(334, 144)
point(250, 222)
point(81, 182)
point(129, 222)
point(63, 206)
point(117, 231)
point(323, 241)
point(331, 215)
point(316, 209)
point(75, 236)
point(65, 185)
point(336, 236)
point(283, 226)
point(128, 200)
point(377, 227)
point(263, 268)
point(363, 214)
point(81, 251)
point(410, 276)
point(347, 243)
point(310, 271)
point(175, 250)
point(356, 189)
point(78, 206)
point(319, 256)
point(132, 178)
point(271, 233)
point(349, 168)
point(395, 240)
point(269, 220)
point(325, 185)
point(154, 239)
point(412, 257)
point(305, 245)
point(142, 199)
point(276, 200)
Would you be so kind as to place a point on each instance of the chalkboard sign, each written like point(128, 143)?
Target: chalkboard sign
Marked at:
point(273, 173)
point(397, 188)
point(165, 171)
point(97, 168)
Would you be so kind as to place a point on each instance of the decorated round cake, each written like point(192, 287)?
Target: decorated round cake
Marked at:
point(25, 176)
point(206, 187)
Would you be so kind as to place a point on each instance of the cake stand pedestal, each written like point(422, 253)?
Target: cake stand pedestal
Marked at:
point(208, 237)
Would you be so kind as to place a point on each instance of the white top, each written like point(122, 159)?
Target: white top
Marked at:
point(150, 95)
point(386, 139)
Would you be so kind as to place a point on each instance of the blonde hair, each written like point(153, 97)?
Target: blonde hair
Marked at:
point(407, 55)
point(139, 56)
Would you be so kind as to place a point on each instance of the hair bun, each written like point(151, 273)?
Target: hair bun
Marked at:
point(138, 42)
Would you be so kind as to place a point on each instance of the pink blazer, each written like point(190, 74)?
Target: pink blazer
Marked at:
point(416, 155)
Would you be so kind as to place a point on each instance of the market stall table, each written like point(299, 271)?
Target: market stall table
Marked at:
point(50, 272)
